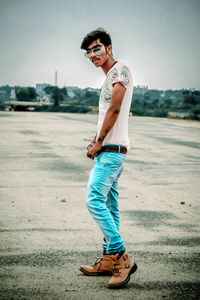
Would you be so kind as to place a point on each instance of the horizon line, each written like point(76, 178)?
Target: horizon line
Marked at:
point(96, 88)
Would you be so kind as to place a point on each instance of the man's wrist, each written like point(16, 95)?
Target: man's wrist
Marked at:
point(99, 142)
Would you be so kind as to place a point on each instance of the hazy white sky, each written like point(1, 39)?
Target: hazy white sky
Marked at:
point(158, 39)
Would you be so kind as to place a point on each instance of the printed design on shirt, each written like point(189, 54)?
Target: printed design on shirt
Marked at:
point(123, 77)
point(106, 92)
point(116, 75)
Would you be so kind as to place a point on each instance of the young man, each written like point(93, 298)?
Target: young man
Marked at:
point(108, 150)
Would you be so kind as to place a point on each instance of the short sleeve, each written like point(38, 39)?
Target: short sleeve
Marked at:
point(121, 74)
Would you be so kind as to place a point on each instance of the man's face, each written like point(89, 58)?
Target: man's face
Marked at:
point(98, 53)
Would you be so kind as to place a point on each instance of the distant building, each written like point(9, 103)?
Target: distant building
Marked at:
point(140, 90)
point(73, 91)
point(40, 90)
point(13, 94)
point(94, 90)
point(2, 93)
point(40, 87)
point(70, 91)
point(162, 95)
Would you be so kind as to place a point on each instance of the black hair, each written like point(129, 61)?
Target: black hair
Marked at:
point(94, 35)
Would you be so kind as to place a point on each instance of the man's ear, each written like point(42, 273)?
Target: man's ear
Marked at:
point(109, 48)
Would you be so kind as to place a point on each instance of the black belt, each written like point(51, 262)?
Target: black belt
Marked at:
point(120, 149)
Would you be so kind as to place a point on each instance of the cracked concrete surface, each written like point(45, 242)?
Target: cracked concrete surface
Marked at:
point(47, 233)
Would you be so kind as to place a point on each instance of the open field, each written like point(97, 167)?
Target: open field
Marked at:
point(47, 232)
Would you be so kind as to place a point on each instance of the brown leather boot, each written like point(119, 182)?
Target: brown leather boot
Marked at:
point(102, 266)
point(122, 269)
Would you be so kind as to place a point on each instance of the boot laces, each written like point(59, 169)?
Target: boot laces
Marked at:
point(98, 261)
point(116, 270)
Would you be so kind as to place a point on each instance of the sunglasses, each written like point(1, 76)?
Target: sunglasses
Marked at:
point(97, 50)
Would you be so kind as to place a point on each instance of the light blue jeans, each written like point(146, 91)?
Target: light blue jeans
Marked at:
point(102, 198)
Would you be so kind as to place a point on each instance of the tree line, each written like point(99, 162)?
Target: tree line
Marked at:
point(148, 104)
point(188, 105)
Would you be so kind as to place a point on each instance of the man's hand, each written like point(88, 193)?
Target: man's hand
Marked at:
point(93, 151)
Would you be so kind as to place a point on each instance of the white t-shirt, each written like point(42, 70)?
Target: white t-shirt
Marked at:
point(120, 72)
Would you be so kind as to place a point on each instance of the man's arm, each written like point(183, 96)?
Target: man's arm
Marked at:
point(110, 117)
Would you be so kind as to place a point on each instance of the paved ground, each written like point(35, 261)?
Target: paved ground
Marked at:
point(46, 231)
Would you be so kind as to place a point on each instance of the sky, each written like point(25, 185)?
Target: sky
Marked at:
point(158, 39)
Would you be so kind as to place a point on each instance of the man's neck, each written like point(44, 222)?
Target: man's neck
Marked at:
point(108, 65)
